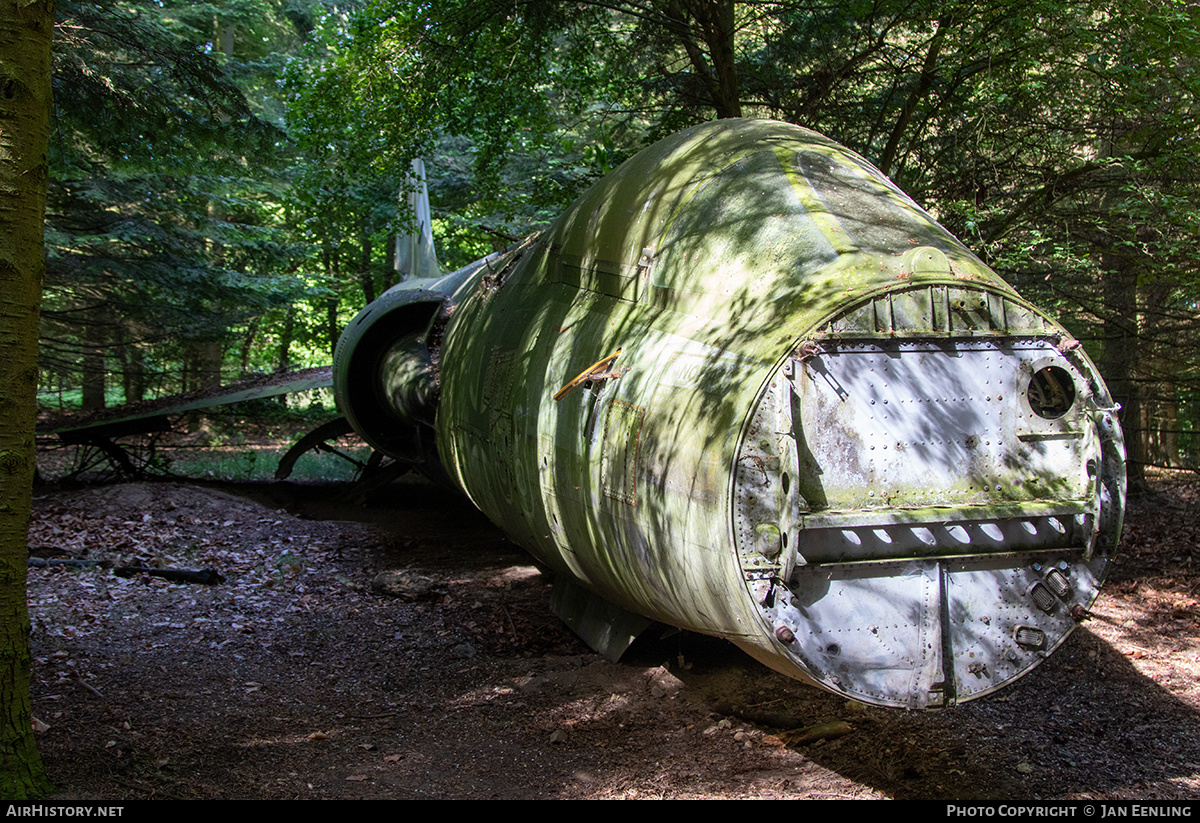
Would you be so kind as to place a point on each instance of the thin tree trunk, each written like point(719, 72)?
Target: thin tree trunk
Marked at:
point(285, 339)
point(135, 374)
point(365, 277)
point(133, 367)
point(95, 343)
point(706, 31)
point(26, 28)
point(333, 271)
point(212, 356)
point(918, 93)
point(331, 324)
point(1119, 363)
point(248, 338)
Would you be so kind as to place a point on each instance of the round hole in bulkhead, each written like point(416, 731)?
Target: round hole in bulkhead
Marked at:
point(1051, 392)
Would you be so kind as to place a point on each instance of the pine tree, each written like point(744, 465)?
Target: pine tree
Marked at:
point(26, 28)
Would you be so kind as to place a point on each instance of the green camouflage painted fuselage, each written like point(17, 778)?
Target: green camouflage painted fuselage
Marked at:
point(793, 411)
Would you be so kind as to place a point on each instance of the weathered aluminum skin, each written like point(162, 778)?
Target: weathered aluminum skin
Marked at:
point(809, 421)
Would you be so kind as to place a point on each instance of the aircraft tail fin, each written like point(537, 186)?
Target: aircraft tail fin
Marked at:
point(415, 256)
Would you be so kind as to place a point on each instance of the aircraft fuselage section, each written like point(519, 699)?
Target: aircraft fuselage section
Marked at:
point(745, 386)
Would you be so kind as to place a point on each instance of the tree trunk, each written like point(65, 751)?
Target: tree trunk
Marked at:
point(94, 344)
point(1119, 359)
point(211, 358)
point(919, 92)
point(26, 27)
point(706, 31)
point(135, 375)
point(248, 338)
point(1160, 348)
point(365, 277)
point(285, 340)
point(333, 272)
point(133, 367)
point(331, 325)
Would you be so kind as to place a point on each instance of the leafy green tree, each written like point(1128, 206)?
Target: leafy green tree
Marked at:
point(1057, 136)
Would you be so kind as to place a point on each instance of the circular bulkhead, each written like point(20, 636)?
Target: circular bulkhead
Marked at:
point(921, 514)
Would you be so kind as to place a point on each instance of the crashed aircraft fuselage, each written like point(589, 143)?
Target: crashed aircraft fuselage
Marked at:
point(746, 387)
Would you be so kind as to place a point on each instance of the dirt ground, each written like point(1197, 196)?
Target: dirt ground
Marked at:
point(297, 678)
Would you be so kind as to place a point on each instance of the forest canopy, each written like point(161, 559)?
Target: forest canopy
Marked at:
point(228, 178)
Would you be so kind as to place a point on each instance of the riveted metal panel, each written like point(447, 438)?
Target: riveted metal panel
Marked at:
point(619, 462)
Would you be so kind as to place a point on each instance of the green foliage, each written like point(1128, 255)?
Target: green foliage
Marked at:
point(166, 227)
point(482, 91)
point(201, 181)
point(1057, 136)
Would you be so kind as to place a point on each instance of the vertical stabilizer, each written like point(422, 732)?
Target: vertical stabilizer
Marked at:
point(415, 256)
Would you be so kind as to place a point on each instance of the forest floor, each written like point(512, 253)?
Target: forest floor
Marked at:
point(297, 677)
